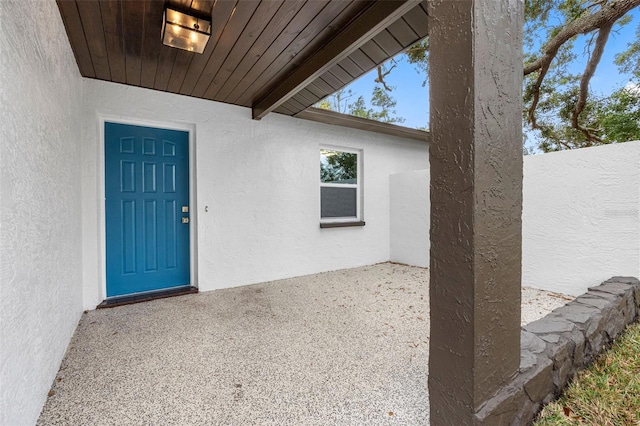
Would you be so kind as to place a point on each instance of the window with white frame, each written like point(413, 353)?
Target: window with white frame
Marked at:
point(340, 185)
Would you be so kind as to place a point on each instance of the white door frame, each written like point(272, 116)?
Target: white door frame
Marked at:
point(193, 220)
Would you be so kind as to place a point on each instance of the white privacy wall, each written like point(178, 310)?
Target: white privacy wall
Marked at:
point(40, 232)
point(580, 221)
point(580, 217)
point(409, 205)
point(258, 181)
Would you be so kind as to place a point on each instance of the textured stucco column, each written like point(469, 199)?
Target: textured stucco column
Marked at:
point(476, 203)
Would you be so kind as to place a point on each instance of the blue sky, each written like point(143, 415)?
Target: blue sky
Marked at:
point(413, 99)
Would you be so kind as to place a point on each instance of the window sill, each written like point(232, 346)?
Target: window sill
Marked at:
point(340, 224)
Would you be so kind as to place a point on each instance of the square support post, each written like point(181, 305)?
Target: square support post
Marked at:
point(476, 203)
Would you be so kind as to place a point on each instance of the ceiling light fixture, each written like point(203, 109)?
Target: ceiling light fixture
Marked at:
point(185, 30)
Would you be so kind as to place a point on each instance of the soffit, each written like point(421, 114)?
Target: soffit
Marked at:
point(254, 46)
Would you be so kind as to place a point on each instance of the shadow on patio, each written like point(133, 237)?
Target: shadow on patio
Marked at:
point(344, 347)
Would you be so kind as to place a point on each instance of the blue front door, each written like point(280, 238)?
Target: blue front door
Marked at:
point(147, 208)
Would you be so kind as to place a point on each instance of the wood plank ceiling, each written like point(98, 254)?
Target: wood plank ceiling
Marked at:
point(254, 46)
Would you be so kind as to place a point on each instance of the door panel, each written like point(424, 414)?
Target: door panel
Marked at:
point(146, 186)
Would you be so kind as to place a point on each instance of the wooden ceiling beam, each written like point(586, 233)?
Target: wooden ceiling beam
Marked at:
point(369, 23)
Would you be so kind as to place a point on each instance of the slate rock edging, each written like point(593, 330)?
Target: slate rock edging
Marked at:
point(553, 348)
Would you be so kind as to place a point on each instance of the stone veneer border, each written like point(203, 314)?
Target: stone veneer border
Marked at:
point(555, 347)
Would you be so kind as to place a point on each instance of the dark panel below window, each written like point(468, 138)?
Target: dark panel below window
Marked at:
point(338, 202)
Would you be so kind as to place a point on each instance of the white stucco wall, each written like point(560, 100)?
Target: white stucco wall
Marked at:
point(260, 182)
point(409, 206)
point(40, 232)
point(580, 218)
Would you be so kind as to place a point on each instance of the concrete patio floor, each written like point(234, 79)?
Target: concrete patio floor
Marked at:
point(348, 347)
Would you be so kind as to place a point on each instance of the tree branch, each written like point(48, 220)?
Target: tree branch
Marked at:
point(597, 3)
point(536, 94)
point(602, 21)
point(608, 14)
point(592, 64)
point(382, 75)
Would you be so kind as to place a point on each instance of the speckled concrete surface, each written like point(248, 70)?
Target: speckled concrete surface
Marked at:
point(347, 347)
point(538, 303)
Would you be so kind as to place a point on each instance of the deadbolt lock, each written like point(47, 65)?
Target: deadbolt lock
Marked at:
point(185, 220)
point(185, 209)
